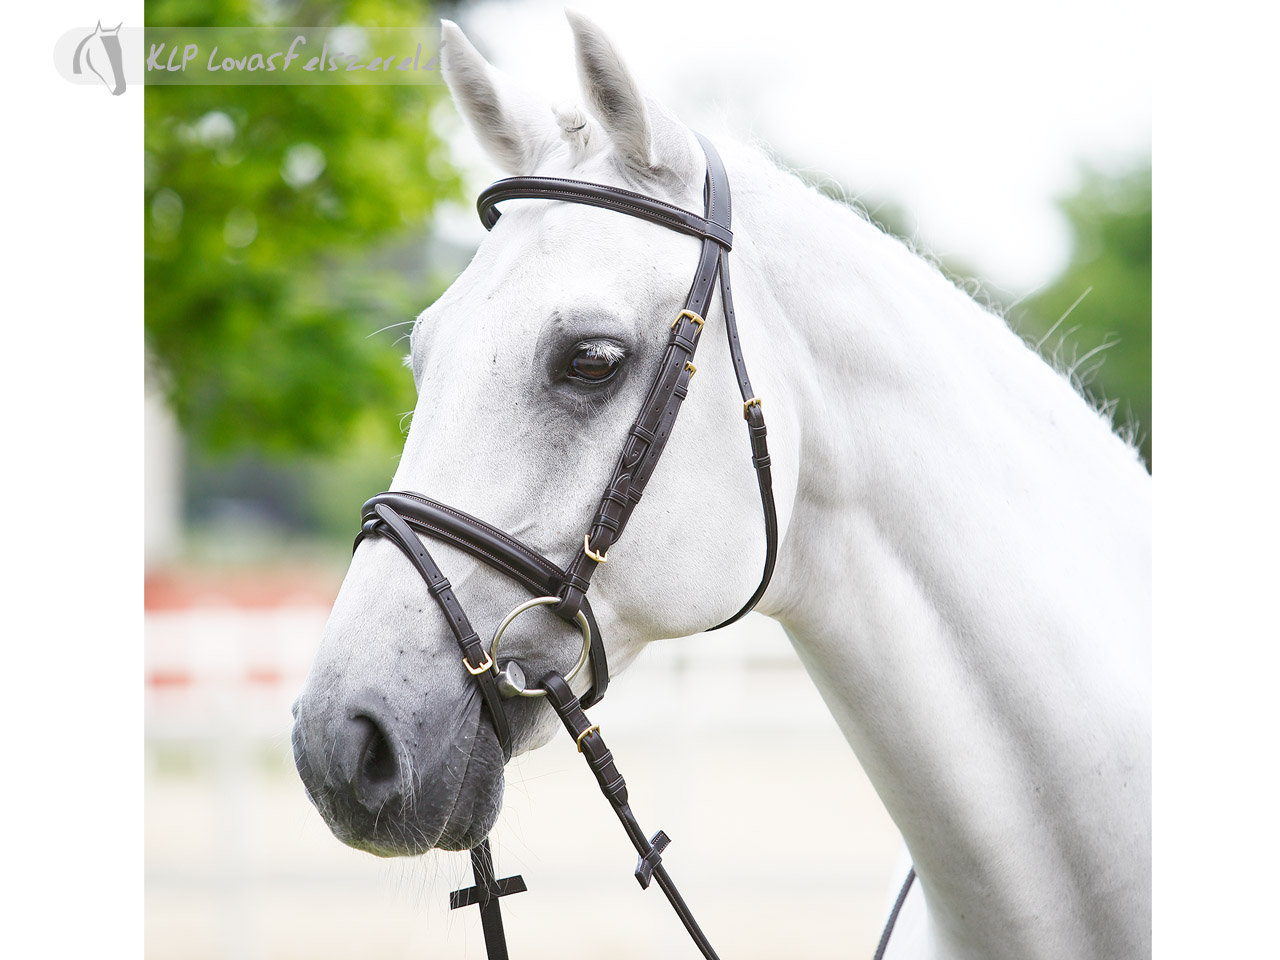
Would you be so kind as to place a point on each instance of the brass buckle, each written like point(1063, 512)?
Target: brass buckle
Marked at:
point(691, 368)
point(586, 548)
point(594, 728)
point(476, 671)
point(691, 315)
point(753, 402)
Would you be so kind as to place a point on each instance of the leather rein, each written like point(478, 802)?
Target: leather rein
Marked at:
point(404, 518)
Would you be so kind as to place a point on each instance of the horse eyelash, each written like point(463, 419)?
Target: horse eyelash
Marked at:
point(604, 350)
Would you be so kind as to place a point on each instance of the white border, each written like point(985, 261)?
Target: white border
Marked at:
point(72, 490)
point(1217, 344)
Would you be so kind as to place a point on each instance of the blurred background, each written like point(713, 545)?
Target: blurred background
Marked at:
point(293, 231)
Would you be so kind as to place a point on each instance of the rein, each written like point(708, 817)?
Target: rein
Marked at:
point(403, 517)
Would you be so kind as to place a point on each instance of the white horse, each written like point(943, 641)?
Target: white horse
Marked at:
point(965, 558)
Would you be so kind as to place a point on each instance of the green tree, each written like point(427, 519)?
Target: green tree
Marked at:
point(1094, 321)
point(274, 219)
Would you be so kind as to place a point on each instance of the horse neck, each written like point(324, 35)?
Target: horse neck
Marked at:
point(965, 575)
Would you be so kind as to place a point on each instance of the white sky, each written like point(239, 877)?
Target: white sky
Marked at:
point(972, 116)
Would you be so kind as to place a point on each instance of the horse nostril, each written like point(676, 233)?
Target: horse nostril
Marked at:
point(376, 776)
point(378, 762)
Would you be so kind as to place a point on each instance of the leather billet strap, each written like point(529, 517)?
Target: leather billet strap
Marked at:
point(652, 427)
point(495, 548)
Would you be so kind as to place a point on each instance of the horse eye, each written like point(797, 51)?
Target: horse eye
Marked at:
point(592, 365)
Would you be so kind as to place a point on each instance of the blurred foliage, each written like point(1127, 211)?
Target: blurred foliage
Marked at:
point(1094, 321)
point(285, 225)
point(255, 507)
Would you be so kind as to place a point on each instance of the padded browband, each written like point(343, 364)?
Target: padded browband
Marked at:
point(598, 195)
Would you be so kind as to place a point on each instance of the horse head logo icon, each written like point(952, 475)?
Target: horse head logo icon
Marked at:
point(99, 52)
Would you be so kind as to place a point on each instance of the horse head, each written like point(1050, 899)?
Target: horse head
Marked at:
point(530, 369)
point(100, 53)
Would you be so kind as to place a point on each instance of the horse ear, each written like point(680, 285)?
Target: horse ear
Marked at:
point(512, 127)
point(612, 93)
point(645, 135)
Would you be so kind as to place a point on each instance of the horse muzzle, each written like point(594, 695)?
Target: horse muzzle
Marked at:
point(385, 782)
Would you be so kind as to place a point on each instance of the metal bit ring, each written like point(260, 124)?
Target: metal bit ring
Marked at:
point(581, 619)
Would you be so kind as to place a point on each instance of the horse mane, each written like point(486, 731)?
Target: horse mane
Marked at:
point(1063, 357)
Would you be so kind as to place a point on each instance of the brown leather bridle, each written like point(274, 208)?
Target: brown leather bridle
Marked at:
point(398, 515)
point(402, 517)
